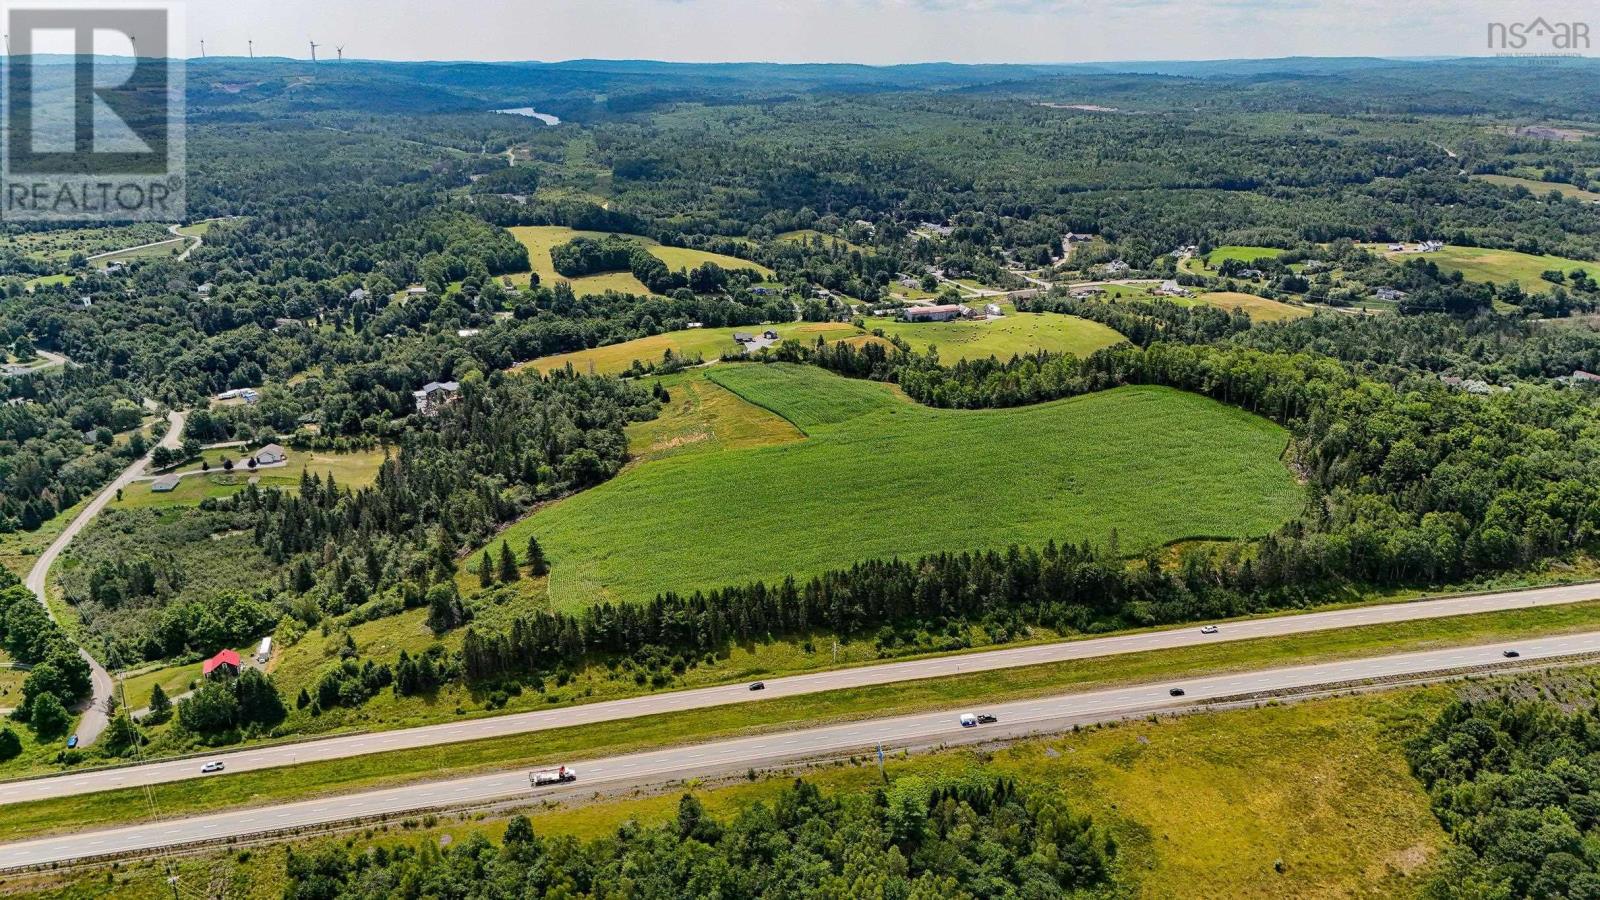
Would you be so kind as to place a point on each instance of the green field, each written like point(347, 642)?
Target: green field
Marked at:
point(705, 416)
point(1259, 309)
point(1540, 188)
point(1497, 266)
point(540, 238)
point(1242, 253)
point(708, 343)
point(1002, 338)
point(349, 469)
point(812, 236)
point(881, 476)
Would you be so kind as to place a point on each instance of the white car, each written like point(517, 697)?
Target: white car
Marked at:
point(214, 766)
point(1209, 629)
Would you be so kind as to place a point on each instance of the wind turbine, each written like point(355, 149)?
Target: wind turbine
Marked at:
point(313, 51)
point(340, 51)
point(202, 48)
point(252, 45)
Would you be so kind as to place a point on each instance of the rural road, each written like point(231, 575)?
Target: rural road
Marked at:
point(94, 718)
point(1016, 719)
point(347, 746)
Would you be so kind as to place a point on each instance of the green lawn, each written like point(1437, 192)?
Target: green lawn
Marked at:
point(881, 476)
point(1002, 338)
point(708, 343)
point(540, 238)
point(350, 469)
point(1497, 266)
point(1242, 253)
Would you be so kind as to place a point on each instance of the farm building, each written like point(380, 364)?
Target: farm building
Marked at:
point(271, 453)
point(941, 313)
point(744, 337)
point(1388, 293)
point(1172, 289)
point(224, 663)
point(164, 484)
point(992, 309)
point(770, 335)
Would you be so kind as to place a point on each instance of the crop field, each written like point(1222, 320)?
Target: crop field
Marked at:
point(1002, 338)
point(880, 476)
point(703, 415)
point(1497, 266)
point(540, 238)
point(708, 343)
point(1540, 187)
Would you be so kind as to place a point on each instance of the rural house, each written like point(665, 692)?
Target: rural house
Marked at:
point(164, 484)
point(271, 453)
point(434, 395)
point(1172, 289)
point(942, 313)
point(225, 663)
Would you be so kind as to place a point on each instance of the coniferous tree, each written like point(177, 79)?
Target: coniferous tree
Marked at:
point(486, 571)
point(508, 564)
point(537, 564)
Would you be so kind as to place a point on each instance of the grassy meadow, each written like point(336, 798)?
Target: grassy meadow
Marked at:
point(1242, 253)
point(708, 343)
point(1002, 338)
point(1539, 188)
point(1259, 309)
point(880, 476)
point(1497, 266)
point(540, 238)
point(350, 469)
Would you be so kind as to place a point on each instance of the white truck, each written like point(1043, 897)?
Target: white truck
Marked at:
point(552, 776)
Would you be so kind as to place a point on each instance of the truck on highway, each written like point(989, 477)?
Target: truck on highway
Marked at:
point(552, 776)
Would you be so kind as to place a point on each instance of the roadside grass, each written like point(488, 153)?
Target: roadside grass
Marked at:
point(539, 239)
point(1200, 806)
point(245, 789)
point(708, 343)
point(19, 550)
point(10, 682)
point(1002, 338)
point(1496, 266)
point(1539, 188)
point(171, 246)
point(59, 244)
point(1137, 460)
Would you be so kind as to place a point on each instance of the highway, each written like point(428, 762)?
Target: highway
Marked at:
point(795, 685)
point(654, 767)
point(94, 719)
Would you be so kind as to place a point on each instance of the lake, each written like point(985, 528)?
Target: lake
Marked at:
point(528, 111)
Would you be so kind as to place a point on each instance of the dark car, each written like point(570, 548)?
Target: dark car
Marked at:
point(986, 719)
point(1511, 654)
point(758, 686)
point(1176, 692)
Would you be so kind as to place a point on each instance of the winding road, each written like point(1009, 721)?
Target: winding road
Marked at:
point(347, 746)
point(94, 718)
point(921, 730)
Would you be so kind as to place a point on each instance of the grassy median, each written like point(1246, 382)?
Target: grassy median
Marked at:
point(124, 806)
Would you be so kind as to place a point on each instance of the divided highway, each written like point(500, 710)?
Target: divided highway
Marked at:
point(1016, 719)
point(884, 673)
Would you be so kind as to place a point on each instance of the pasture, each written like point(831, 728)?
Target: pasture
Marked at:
point(1496, 266)
point(708, 343)
point(540, 238)
point(1002, 338)
point(1259, 309)
point(879, 476)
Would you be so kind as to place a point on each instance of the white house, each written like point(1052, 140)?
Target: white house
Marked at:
point(1172, 289)
point(270, 454)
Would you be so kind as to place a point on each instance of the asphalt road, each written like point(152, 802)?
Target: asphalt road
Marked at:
point(718, 757)
point(795, 685)
point(94, 719)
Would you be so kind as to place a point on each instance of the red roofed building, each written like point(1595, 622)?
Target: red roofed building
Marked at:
point(224, 663)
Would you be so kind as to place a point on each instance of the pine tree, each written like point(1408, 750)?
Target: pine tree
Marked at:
point(485, 571)
point(160, 706)
point(508, 564)
point(537, 564)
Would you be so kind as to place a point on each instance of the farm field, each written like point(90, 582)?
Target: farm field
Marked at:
point(1539, 187)
point(349, 469)
point(540, 238)
point(703, 415)
point(708, 343)
point(1002, 338)
point(1497, 266)
point(1259, 309)
point(1138, 460)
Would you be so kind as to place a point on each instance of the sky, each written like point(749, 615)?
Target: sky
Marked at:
point(861, 31)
